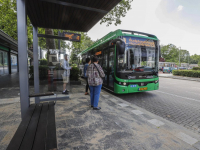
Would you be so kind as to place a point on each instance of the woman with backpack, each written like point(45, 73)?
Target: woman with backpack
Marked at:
point(95, 74)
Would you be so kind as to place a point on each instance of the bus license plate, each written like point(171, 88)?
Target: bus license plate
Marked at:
point(142, 89)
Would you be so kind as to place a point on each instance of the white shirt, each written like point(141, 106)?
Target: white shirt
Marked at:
point(66, 68)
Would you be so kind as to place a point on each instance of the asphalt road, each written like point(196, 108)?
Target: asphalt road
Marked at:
point(176, 100)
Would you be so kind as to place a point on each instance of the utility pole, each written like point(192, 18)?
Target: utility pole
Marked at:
point(188, 59)
point(179, 57)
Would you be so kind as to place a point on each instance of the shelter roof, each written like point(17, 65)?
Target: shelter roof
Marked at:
point(7, 41)
point(76, 15)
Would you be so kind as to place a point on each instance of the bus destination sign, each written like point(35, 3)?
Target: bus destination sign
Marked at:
point(139, 41)
point(72, 36)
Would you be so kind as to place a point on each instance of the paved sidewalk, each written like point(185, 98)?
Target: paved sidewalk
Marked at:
point(119, 125)
point(179, 77)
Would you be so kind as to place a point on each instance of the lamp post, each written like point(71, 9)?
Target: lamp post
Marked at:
point(188, 59)
point(179, 56)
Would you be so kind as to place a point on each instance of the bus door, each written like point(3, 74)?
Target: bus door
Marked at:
point(108, 67)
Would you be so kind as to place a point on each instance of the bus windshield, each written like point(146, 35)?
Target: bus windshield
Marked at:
point(137, 59)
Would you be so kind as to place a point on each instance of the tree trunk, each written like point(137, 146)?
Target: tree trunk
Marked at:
point(50, 43)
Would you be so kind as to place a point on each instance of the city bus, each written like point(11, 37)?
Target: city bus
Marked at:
point(129, 59)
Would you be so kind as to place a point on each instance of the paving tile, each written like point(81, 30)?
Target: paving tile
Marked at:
point(137, 112)
point(156, 122)
point(123, 105)
point(186, 138)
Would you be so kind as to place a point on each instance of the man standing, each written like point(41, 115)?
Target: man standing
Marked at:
point(66, 74)
point(88, 61)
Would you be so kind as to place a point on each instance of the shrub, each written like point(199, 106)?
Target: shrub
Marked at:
point(196, 68)
point(58, 67)
point(43, 62)
point(73, 65)
point(187, 73)
point(74, 74)
point(43, 72)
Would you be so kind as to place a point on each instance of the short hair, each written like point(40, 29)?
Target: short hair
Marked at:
point(95, 59)
point(87, 60)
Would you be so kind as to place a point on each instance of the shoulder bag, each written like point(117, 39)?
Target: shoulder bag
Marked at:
point(99, 72)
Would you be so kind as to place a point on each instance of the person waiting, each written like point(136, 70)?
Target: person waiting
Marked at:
point(88, 61)
point(95, 74)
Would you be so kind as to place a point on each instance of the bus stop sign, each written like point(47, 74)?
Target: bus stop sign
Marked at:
point(72, 36)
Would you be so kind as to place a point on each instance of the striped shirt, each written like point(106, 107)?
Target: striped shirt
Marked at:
point(94, 79)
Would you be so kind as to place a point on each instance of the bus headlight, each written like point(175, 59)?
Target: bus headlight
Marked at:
point(124, 83)
point(156, 81)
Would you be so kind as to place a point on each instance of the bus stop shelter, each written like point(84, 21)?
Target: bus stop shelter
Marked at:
point(76, 15)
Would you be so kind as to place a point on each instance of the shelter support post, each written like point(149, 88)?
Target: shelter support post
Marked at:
point(36, 64)
point(23, 56)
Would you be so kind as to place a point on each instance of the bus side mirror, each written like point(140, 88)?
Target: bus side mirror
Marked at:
point(120, 47)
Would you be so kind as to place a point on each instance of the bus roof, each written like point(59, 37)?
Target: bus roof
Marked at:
point(117, 33)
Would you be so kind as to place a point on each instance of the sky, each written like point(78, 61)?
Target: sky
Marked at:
point(172, 21)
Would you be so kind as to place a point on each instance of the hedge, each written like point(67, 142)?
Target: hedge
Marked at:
point(74, 74)
point(187, 73)
point(196, 68)
point(43, 72)
point(43, 62)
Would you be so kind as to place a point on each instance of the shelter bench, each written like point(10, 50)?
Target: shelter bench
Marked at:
point(37, 130)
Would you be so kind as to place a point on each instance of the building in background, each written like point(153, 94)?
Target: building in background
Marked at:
point(9, 54)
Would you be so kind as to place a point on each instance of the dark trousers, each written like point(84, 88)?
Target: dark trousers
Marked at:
point(87, 86)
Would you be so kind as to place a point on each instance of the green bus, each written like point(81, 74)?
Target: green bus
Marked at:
point(129, 59)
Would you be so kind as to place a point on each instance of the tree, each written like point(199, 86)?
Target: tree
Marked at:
point(8, 20)
point(195, 59)
point(171, 54)
point(119, 11)
point(78, 47)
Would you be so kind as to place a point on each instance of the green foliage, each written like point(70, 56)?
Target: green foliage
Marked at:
point(117, 13)
point(43, 62)
point(195, 59)
point(187, 73)
point(78, 47)
point(73, 65)
point(74, 74)
point(8, 20)
point(43, 72)
point(196, 68)
point(171, 54)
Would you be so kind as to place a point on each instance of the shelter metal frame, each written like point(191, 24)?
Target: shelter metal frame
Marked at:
point(54, 14)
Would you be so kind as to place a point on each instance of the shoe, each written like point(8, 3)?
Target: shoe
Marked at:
point(86, 93)
point(96, 108)
point(65, 92)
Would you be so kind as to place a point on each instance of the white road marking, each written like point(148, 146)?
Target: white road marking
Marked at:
point(180, 96)
point(123, 105)
point(137, 112)
point(186, 138)
point(156, 122)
